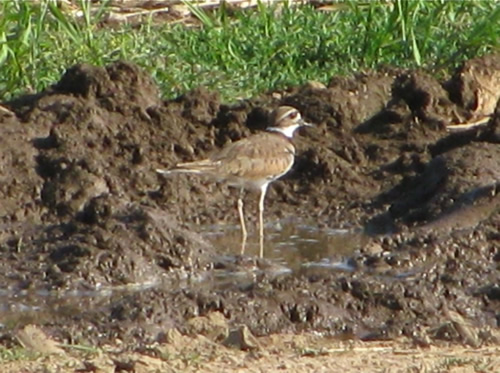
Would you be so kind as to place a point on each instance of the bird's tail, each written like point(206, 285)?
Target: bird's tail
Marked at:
point(198, 167)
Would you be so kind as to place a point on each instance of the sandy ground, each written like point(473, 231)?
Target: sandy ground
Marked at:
point(275, 353)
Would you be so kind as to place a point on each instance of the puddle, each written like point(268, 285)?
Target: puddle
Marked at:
point(290, 246)
point(291, 243)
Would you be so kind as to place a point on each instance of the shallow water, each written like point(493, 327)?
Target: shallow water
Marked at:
point(290, 243)
point(290, 246)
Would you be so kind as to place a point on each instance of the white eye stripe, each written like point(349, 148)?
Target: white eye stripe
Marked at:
point(288, 113)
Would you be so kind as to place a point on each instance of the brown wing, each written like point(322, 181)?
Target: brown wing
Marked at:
point(245, 148)
point(264, 154)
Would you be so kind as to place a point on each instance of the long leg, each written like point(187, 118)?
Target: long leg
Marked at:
point(242, 222)
point(261, 219)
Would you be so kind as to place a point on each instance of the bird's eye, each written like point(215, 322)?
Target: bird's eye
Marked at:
point(294, 114)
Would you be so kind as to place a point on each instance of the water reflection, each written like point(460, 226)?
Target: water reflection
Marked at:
point(292, 246)
point(291, 242)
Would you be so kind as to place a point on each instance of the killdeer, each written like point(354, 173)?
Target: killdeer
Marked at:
point(252, 163)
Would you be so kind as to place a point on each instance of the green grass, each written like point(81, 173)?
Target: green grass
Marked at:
point(482, 364)
point(16, 354)
point(245, 53)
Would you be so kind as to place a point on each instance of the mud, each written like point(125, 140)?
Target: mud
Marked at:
point(83, 212)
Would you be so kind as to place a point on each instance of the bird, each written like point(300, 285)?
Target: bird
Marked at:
point(252, 163)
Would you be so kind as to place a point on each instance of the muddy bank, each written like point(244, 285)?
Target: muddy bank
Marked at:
point(82, 209)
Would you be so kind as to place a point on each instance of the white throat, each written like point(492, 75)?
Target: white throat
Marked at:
point(287, 131)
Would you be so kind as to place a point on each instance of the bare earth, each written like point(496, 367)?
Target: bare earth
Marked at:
point(275, 353)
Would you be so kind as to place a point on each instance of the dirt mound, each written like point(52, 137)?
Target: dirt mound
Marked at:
point(82, 208)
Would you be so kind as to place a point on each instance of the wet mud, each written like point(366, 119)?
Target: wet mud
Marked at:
point(97, 247)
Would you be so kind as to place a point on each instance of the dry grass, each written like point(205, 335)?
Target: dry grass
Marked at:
point(275, 353)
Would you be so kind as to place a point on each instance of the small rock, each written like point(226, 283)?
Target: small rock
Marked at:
point(213, 326)
point(173, 336)
point(312, 84)
point(33, 338)
point(242, 339)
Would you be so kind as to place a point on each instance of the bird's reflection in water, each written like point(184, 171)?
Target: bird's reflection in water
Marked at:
point(289, 242)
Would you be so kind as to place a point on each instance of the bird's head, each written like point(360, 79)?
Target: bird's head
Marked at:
point(286, 119)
